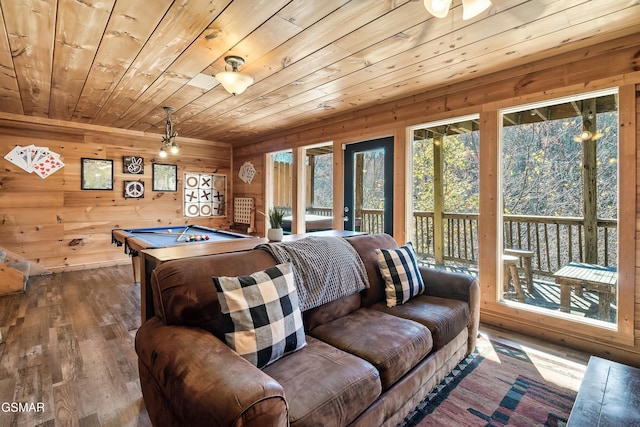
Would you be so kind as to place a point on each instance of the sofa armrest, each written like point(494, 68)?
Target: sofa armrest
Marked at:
point(458, 286)
point(190, 377)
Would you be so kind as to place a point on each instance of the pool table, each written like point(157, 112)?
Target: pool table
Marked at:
point(135, 240)
point(152, 258)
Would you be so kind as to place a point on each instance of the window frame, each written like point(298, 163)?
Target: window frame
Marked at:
point(622, 332)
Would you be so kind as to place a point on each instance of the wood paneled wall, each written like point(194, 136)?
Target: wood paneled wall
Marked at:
point(55, 223)
point(612, 64)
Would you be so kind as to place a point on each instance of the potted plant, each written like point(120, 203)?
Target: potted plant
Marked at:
point(275, 221)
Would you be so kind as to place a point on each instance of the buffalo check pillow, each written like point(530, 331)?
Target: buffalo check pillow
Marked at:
point(262, 319)
point(399, 269)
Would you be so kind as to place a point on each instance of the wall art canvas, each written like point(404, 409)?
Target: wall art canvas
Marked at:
point(165, 177)
point(31, 158)
point(133, 165)
point(97, 174)
point(133, 189)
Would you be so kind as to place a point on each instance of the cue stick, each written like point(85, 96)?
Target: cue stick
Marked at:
point(182, 234)
point(155, 232)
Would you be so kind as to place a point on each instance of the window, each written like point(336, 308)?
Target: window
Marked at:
point(319, 187)
point(279, 179)
point(560, 191)
point(445, 193)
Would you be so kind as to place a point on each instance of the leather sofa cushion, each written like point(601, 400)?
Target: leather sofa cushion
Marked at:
point(366, 246)
point(331, 310)
point(444, 317)
point(184, 293)
point(325, 386)
point(392, 344)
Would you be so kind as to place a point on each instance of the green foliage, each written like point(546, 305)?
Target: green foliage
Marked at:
point(275, 217)
point(460, 173)
point(323, 181)
point(541, 169)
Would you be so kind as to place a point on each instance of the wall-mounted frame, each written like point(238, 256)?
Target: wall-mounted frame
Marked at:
point(96, 174)
point(134, 189)
point(133, 165)
point(164, 177)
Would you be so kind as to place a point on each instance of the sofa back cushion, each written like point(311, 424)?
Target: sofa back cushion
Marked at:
point(183, 291)
point(366, 246)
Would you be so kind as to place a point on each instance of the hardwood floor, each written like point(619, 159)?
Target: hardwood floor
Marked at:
point(68, 345)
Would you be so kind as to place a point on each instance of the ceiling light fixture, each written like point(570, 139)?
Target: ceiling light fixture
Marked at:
point(438, 8)
point(470, 8)
point(169, 137)
point(234, 81)
point(587, 135)
point(473, 8)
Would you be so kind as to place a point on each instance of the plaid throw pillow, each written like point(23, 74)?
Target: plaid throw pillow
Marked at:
point(399, 270)
point(262, 319)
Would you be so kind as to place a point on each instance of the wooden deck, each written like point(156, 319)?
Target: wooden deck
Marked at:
point(547, 294)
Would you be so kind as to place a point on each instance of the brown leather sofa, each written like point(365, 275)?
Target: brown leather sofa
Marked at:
point(364, 364)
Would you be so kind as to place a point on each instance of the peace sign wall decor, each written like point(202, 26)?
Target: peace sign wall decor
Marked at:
point(133, 164)
point(134, 189)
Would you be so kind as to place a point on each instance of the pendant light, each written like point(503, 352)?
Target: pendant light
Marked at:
point(169, 137)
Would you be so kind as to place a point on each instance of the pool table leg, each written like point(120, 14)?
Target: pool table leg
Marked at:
point(135, 262)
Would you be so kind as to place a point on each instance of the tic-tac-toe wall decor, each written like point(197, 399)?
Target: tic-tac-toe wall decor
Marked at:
point(204, 194)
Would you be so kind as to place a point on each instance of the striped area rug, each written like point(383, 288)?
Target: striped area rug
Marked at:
point(499, 385)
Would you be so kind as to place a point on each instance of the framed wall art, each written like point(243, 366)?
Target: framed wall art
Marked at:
point(97, 174)
point(134, 189)
point(165, 177)
point(133, 165)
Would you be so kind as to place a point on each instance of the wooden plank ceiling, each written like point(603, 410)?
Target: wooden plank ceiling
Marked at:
point(117, 62)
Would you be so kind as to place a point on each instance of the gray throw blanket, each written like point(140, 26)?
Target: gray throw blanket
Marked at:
point(325, 268)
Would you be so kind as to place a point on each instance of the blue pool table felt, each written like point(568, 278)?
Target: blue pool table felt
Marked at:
point(161, 237)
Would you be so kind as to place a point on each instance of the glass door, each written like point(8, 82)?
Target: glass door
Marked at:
point(368, 186)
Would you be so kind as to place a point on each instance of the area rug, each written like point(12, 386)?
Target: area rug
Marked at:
point(500, 385)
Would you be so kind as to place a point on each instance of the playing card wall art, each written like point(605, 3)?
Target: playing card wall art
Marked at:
point(31, 158)
point(133, 165)
point(97, 174)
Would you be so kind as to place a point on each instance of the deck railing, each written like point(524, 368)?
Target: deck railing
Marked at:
point(554, 241)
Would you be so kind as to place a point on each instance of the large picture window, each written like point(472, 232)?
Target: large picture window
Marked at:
point(560, 191)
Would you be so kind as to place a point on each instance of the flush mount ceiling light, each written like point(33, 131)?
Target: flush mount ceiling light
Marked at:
point(169, 137)
point(470, 8)
point(234, 81)
point(438, 8)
